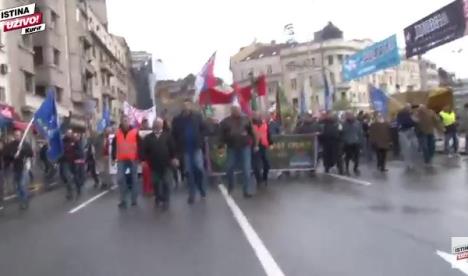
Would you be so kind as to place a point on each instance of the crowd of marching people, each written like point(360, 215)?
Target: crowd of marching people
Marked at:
point(164, 152)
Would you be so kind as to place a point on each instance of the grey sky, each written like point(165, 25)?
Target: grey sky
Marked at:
point(184, 33)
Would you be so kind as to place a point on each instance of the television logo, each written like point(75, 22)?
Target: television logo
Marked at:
point(460, 247)
point(22, 17)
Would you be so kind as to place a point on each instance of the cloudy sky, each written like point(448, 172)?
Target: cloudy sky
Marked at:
point(184, 33)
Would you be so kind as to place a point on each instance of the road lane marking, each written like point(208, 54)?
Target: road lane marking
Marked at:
point(451, 259)
point(350, 179)
point(269, 265)
point(89, 201)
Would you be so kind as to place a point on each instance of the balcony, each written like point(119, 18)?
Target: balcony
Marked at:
point(106, 66)
point(78, 97)
point(107, 91)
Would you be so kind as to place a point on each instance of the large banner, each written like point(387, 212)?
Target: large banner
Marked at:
point(289, 152)
point(379, 56)
point(438, 28)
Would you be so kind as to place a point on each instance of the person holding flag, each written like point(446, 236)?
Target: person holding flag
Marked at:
point(18, 154)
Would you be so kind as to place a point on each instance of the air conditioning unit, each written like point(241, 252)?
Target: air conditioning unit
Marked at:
point(3, 69)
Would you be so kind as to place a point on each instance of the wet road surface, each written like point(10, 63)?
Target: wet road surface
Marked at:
point(323, 225)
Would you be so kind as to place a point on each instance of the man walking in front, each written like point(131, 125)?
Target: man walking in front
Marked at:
point(125, 153)
point(237, 133)
point(353, 139)
point(407, 122)
point(260, 157)
point(158, 150)
point(20, 158)
point(428, 124)
point(449, 120)
point(188, 131)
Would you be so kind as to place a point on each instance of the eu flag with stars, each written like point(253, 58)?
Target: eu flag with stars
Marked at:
point(105, 120)
point(47, 124)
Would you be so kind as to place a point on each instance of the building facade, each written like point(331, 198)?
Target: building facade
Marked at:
point(301, 66)
point(87, 66)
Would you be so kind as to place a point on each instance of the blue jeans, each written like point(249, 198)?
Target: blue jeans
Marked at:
point(71, 175)
point(124, 187)
point(242, 158)
point(427, 144)
point(21, 180)
point(409, 146)
point(193, 166)
point(451, 135)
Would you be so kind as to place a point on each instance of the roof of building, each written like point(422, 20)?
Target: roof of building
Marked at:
point(267, 50)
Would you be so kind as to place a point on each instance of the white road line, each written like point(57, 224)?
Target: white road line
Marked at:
point(451, 259)
point(268, 263)
point(350, 179)
point(89, 201)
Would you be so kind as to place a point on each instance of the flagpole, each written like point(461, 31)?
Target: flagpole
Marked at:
point(24, 136)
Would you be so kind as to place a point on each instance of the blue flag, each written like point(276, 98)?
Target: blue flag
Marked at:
point(327, 94)
point(47, 124)
point(105, 120)
point(379, 100)
point(303, 106)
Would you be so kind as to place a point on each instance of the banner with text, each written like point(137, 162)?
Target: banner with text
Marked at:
point(379, 56)
point(438, 28)
point(289, 152)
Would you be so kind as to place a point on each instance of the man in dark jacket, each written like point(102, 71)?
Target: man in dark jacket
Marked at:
point(331, 140)
point(20, 159)
point(158, 150)
point(188, 131)
point(71, 152)
point(352, 139)
point(237, 133)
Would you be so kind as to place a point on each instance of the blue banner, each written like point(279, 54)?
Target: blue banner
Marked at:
point(379, 56)
point(47, 124)
point(379, 101)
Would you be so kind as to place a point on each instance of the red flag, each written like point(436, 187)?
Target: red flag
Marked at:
point(244, 95)
point(215, 96)
point(261, 85)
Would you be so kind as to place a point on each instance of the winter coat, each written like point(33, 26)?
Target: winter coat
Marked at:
point(158, 151)
point(380, 135)
point(352, 132)
point(428, 122)
point(188, 130)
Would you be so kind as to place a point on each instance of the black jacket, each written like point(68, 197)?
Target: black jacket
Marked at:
point(10, 151)
point(158, 151)
point(181, 123)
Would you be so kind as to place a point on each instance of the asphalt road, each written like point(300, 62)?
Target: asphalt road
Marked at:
point(391, 224)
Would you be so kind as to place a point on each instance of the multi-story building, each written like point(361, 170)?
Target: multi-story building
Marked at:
point(88, 67)
point(300, 66)
point(142, 69)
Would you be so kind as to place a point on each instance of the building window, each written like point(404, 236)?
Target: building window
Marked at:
point(269, 69)
point(26, 39)
point(38, 56)
point(312, 61)
point(340, 59)
point(2, 94)
point(56, 57)
point(53, 19)
point(293, 83)
point(295, 102)
point(94, 51)
point(330, 60)
point(58, 94)
point(28, 82)
point(40, 91)
point(311, 81)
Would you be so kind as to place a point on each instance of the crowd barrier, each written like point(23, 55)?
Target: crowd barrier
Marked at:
point(292, 152)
